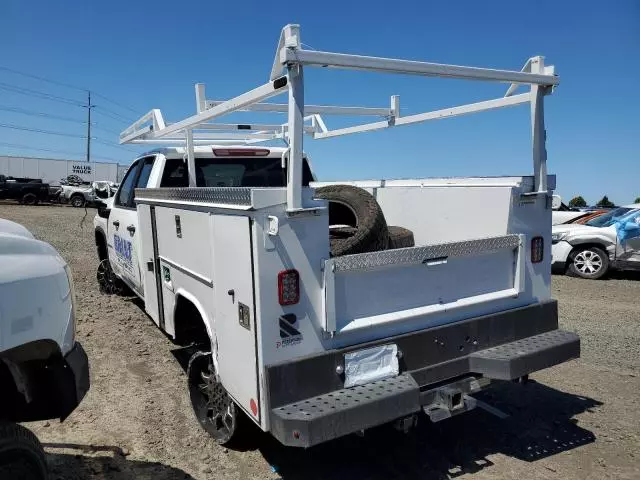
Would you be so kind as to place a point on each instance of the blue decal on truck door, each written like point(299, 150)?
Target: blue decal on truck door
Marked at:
point(123, 252)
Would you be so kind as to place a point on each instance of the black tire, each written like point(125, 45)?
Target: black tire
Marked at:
point(29, 199)
point(21, 454)
point(214, 409)
point(589, 262)
point(400, 237)
point(77, 200)
point(354, 207)
point(108, 283)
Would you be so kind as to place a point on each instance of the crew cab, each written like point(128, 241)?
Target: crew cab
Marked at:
point(290, 326)
point(609, 241)
point(216, 166)
point(44, 371)
point(28, 191)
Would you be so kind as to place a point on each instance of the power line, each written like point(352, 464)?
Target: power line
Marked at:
point(31, 75)
point(116, 103)
point(62, 152)
point(62, 84)
point(112, 117)
point(115, 115)
point(64, 134)
point(112, 144)
point(27, 147)
point(40, 94)
point(38, 130)
point(34, 113)
point(108, 130)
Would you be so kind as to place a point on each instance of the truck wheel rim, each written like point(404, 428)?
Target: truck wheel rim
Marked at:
point(220, 411)
point(106, 279)
point(588, 262)
point(211, 403)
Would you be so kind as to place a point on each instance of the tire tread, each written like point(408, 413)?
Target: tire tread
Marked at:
point(14, 436)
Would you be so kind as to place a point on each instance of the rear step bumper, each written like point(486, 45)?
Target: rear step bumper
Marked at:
point(522, 357)
point(315, 420)
point(333, 412)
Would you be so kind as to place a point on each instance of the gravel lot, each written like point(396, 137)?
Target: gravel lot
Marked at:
point(576, 421)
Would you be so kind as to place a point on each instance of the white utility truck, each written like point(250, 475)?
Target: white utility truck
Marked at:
point(44, 372)
point(313, 336)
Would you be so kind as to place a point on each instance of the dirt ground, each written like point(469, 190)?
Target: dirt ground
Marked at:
point(576, 421)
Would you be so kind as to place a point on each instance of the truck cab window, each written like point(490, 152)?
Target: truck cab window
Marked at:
point(145, 172)
point(231, 172)
point(124, 194)
point(174, 174)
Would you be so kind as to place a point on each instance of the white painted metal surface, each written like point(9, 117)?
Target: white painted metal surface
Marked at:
point(36, 296)
point(291, 56)
point(182, 231)
point(148, 259)
point(232, 261)
point(236, 240)
point(309, 109)
point(420, 291)
point(294, 55)
point(397, 120)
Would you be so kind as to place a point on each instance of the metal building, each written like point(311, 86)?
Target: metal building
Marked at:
point(51, 170)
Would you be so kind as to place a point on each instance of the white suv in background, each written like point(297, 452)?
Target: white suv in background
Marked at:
point(611, 240)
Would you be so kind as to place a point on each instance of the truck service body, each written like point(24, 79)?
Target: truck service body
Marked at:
point(311, 346)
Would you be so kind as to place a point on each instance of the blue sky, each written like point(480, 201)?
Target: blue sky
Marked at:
point(149, 54)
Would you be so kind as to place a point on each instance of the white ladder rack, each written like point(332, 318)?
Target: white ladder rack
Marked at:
point(287, 76)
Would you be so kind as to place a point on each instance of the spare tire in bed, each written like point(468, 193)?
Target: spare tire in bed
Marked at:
point(356, 221)
point(400, 237)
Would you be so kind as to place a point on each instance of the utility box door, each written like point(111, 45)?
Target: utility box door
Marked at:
point(234, 322)
point(149, 262)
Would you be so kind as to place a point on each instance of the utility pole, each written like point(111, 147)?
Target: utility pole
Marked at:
point(89, 107)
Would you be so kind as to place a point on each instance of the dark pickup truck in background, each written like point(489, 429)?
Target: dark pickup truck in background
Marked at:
point(29, 191)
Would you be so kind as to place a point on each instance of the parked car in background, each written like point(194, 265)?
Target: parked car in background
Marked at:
point(590, 216)
point(28, 191)
point(609, 241)
point(558, 217)
point(88, 194)
point(44, 372)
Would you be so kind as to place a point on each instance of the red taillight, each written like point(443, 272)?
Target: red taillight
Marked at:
point(288, 287)
point(537, 249)
point(241, 152)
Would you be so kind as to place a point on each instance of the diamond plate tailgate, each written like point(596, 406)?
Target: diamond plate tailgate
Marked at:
point(516, 359)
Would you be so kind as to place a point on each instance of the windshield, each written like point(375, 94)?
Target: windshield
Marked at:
point(231, 172)
point(607, 219)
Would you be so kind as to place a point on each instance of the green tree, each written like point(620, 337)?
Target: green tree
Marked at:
point(637, 200)
point(605, 203)
point(577, 202)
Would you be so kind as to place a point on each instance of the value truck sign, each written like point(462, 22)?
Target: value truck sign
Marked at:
point(81, 169)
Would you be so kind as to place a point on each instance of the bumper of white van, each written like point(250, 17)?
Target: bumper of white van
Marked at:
point(309, 404)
